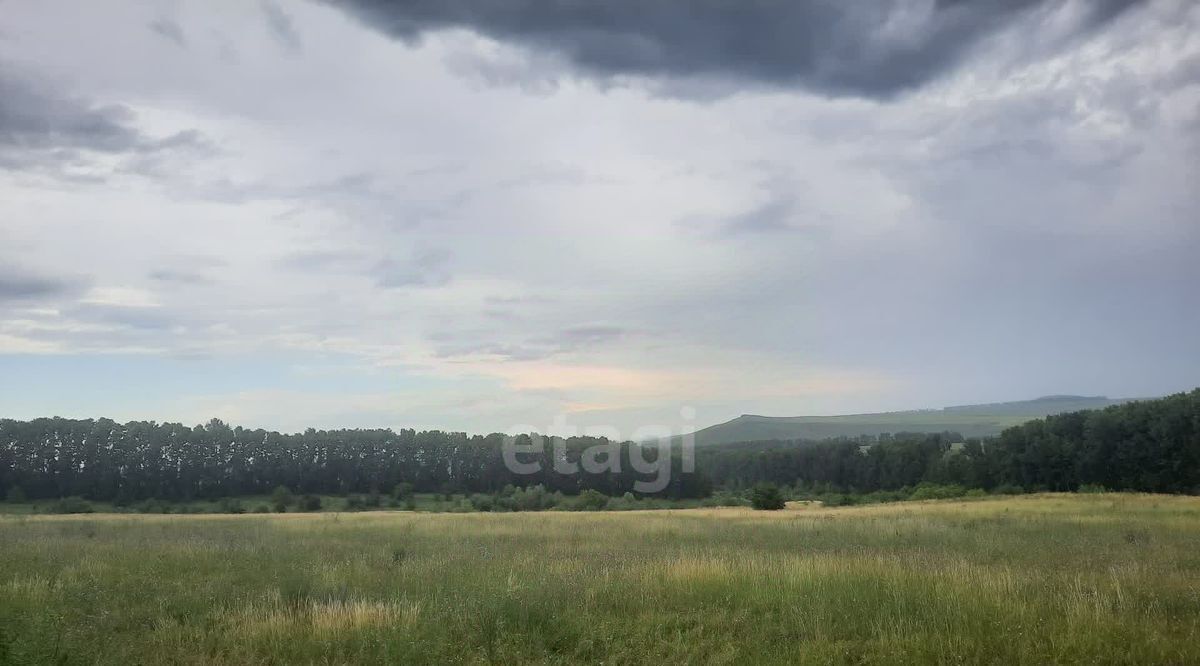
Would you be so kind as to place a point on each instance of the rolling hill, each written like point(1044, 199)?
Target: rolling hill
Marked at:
point(970, 420)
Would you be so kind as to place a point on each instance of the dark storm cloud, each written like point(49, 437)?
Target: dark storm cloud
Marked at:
point(874, 49)
point(282, 27)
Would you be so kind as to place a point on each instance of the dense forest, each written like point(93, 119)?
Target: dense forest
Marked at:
point(105, 460)
point(1149, 446)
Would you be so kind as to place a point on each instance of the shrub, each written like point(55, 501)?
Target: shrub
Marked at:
point(724, 498)
point(402, 491)
point(310, 503)
point(482, 502)
point(533, 498)
point(230, 505)
point(767, 497)
point(837, 499)
point(1092, 488)
point(282, 498)
point(152, 506)
point(933, 491)
point(262, 508)
point(883, 496)
point(17, 495)
point(373, 500)
point(1008, 489)
point(123, 499)
point(71, 505)
point(354, 503)
point(590, 500)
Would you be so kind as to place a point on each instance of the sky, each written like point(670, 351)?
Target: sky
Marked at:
point(491, 216)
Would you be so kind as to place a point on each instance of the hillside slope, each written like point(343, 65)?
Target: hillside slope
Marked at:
point(970, 420)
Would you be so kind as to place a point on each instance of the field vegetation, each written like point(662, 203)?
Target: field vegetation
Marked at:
point(1083, 578)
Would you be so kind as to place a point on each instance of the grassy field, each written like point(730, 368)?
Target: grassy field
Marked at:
point(1108, 578)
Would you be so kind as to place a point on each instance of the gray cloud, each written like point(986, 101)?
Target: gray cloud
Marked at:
point(135, 318)
point(566, 340)
point(18, 285)
point(319, 260)
point(33, 117)
point(781, 213)
point(168, 29)
point(772, 217)
point(424, 268)
point(44, 128)
point(428, 268)
point(179, 277)
point(282, 27)
point(858, 48)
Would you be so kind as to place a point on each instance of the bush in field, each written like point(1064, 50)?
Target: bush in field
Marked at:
point(354, 503)
point(402, 491)
point(533, 498)
point(230, 505)
point(932, 491)
point(1092, 488)
point(310, 503)
point(71, 505)
point(724, 498)
point(262, 508)
point(767, 497)
point(590, 500)
point(373, 500)
point(123, 499)
point(282, 498)
point(837, 499)
point(152, 506)
point(17, 495)
point(481, 502)
point(1008, 489)
point(882, 496)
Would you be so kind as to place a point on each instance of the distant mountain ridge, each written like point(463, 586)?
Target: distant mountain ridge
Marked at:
point(981, 420)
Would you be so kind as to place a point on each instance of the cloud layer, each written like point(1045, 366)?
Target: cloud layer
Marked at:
point(477, 215)
point(870, 49)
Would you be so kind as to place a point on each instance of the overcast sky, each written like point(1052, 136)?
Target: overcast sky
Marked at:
point(480, 215)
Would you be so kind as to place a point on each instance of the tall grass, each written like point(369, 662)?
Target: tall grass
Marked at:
point(1052, 578)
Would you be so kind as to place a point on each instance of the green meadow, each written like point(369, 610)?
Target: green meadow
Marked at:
point(1101, 578)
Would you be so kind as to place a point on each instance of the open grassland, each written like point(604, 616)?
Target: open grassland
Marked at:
point(1107, 578)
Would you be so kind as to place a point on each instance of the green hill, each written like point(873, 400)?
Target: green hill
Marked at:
point(970, 420)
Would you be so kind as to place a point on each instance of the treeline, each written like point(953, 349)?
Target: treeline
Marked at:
point(104, 460)
point(1150, 446)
